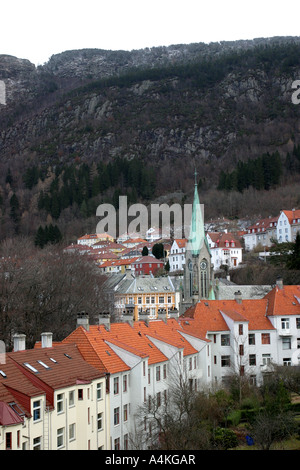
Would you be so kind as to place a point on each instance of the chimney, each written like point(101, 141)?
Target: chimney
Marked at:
point(83, 320)
point(238, 297)
point(279, 283)
point(46, 340)
point(19, 342)
point(104, 319)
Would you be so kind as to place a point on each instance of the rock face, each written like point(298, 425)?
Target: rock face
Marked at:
point(94, 104)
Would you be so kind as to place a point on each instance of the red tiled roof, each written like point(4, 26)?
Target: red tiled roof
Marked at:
point(206, 316)
point(293, 214)
point(285, 301)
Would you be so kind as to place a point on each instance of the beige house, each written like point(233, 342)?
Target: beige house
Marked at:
point(52, 399)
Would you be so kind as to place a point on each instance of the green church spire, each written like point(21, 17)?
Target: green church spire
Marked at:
point(197, 234)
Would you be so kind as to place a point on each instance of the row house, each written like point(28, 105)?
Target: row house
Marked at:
point(261, 233)
point(117, 266)
point(92, 238)
point(225, 248)
point(288, 225)
point(143, 360)
point(177, 254)
point(249, 336)
point(51, 399)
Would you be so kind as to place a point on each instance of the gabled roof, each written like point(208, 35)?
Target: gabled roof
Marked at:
point(181, 242)
point(293, 214)
point(95, 345)
point(41, 371)
point(167, 332)
point(284, 301)
point(206, 316)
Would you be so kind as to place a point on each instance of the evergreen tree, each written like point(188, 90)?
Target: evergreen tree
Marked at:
point(145, 251)
point(9, 178)
point(14, 208)
point(294, 259)
point(40, 237)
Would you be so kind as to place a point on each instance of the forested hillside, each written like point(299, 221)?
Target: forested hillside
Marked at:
point(90, 126)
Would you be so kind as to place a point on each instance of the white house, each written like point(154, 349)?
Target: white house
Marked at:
point(177, 254)
point(248, 336)
point(225, 248)
point(288, 225)
point(261, 233)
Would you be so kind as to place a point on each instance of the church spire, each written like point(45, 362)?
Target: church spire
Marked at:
point(197, 234)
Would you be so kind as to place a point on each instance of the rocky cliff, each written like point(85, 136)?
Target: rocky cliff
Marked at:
point(177, 107)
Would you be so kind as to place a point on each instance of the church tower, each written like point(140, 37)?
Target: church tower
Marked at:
point(198, 270)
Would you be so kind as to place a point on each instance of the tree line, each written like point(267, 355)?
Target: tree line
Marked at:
point(81, 183)
point(263, 172)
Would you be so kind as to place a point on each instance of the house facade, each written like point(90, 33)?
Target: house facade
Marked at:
point(177, 254)
point(145, 297)
point(147, 265)
point(143, 361)
point(51, 399)
point(248, 336)
point(226, 249)
point(288, 225)
point(261, 233)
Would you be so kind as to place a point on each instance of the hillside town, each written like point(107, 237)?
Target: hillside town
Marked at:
point(171, 319)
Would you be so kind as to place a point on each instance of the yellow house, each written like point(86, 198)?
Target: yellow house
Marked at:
point(146, 297)
point(52, 399)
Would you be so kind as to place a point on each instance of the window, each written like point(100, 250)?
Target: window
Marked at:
point(37, 410)
point(125, 412)
point(165, 371)
point(72, 432)
point(80, 394)
point(286, 343)
point(117, 444)
point(225, 361)
point(285, 323)
point(298, 323)
point(100, 421)
point(225, 340)
point(158, 373)
point(266, 359)
point(287, 361)
point(37, 443)
point(240, 329)
point(60, 403)
point(241, 349)
point(116, 385)
point(252, 359)
point(251, 338)
point(99, 391)
point(265, 338)
point(71, 398)
point(149, 376)
point(126, 441)
point(116, 416)
point(8, 441)
point(60, 437)
point(158, 399)
point(125, 383)
point(161, 299)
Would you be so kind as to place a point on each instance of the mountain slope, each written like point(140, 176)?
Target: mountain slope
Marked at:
point(176, 108)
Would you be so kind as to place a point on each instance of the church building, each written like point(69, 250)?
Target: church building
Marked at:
point(198, 269)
